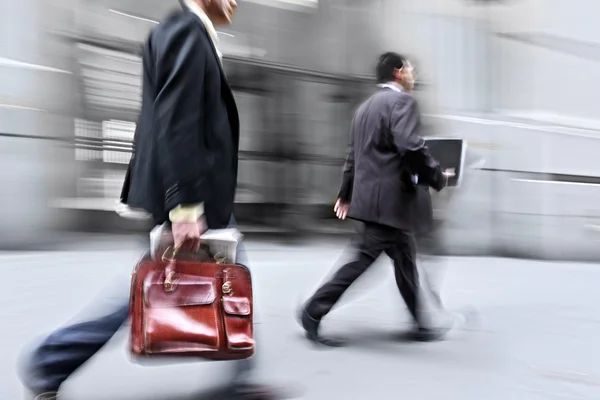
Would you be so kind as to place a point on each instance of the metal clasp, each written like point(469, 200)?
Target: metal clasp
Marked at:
point(227, 288)
point(169, 284)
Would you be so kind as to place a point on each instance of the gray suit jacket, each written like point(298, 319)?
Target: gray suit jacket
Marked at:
point(385, 151)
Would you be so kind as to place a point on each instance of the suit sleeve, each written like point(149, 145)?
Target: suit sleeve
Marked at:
point(405, 123)
point(345, 193)
point(179, 111)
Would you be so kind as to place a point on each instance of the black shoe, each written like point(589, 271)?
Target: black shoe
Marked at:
point(311, 328)
point(429, 334)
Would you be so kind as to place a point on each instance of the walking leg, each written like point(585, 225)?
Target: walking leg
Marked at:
point(371, 243)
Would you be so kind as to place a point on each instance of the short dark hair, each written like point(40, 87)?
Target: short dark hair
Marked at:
point(386, 65)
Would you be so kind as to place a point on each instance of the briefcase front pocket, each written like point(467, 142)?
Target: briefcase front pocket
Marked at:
point(183, 317)
point(238, 323)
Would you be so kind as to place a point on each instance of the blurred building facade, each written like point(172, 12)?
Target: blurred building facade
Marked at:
point(513, 78)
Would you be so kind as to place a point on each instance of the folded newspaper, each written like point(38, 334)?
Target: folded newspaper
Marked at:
point(221, 242)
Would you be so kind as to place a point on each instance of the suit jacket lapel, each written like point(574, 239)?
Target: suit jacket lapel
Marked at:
point(224, 80)
point(212, 45)
point(216, 54)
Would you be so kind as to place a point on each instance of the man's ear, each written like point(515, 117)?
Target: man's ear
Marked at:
point(398, 72)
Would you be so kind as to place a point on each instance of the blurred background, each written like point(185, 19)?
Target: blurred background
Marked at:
point(516, 79)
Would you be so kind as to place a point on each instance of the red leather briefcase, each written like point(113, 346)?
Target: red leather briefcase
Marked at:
point(192, 308)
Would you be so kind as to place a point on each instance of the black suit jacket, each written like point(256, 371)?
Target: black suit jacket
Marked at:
point(187, 139)
point(385, 152)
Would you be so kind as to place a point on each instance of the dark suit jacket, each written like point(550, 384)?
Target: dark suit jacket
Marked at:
point(187, 139)
point(385, 150)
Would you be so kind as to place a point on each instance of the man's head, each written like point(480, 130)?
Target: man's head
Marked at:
point(220, 12)
point(392, 67)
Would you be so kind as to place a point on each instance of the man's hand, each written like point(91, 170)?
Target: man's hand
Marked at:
point(341, 209)
point(449, 173)
point(188, 233)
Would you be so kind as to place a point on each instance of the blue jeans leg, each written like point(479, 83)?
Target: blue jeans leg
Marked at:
point(67, 349)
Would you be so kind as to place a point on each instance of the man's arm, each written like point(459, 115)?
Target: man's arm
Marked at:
point(179, 111)
point(345, 193)
point(405, 124)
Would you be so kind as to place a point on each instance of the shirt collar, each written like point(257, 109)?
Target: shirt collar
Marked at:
point(395, 86)
point(194, 8)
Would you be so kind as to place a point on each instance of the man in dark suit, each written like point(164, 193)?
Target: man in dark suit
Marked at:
point(183, 172)
point(184, 169)
point(385, 185)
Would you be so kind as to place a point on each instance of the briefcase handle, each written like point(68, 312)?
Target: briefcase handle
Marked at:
point(204, 250)
point(175, 251)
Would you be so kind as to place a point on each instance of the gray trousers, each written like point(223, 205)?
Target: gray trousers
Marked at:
point(65, 350)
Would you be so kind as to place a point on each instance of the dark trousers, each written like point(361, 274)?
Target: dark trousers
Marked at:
point(65, 350)
point(371, 242)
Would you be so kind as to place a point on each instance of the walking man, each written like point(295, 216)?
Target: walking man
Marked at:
point(183, 172)
point(387, 175)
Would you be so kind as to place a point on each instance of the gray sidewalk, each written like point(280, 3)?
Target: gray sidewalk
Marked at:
point(536, 338)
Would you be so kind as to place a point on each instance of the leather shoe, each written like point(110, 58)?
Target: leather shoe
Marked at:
point(429, 334)
point(311, 328)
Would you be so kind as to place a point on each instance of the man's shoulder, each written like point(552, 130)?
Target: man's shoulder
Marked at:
point(388, 100)
point(177, 24)
point(395, 97)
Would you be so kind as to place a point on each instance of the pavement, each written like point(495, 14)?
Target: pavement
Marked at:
point(535, 338)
